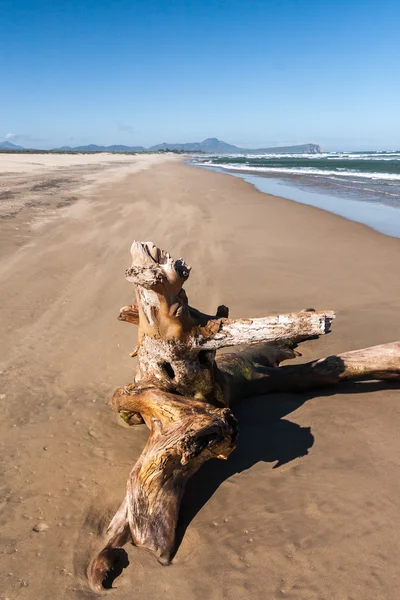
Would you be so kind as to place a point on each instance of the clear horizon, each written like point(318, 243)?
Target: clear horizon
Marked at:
point(254, 74)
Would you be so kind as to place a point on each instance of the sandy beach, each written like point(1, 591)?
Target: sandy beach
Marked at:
point(307, 507)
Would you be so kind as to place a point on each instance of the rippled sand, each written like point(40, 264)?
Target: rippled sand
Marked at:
point(307, 506)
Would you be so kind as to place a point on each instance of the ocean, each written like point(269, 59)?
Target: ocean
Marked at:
point(361, 186)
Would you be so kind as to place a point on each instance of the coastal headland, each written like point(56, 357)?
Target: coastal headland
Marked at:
point(306, 508)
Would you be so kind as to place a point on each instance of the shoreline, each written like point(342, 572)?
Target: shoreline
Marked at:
point(380, 217)
point(311, 490)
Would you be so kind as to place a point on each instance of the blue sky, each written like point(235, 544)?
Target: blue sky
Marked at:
point(250, 72)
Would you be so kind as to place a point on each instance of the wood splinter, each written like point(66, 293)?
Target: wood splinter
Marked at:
point(183, 391)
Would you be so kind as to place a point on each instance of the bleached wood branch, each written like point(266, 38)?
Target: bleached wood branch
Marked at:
point(221, 333)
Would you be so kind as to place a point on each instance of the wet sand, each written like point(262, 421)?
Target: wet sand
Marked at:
point(307, 506)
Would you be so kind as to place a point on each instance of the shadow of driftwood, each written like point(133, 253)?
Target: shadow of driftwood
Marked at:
point(264, 436)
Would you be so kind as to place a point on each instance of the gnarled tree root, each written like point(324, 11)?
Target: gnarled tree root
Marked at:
point(182, 391)
point(184, 433)
point(250, 372)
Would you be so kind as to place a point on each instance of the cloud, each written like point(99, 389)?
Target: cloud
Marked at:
point(125, 128)
point(23, 137)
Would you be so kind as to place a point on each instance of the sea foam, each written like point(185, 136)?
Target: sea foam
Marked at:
point(303, 171)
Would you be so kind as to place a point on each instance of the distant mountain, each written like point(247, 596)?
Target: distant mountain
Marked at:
point(299, 149)
point(215, 146)
point(210, 146)
point(10, 146)
point(95, 148)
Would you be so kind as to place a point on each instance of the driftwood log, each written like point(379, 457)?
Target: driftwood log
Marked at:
point(184, 392)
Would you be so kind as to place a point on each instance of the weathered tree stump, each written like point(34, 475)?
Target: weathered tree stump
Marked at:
point(183, 391)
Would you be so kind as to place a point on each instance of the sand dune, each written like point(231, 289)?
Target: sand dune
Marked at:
point(307, 506)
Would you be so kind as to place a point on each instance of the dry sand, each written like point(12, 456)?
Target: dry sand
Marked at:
point(307, 508)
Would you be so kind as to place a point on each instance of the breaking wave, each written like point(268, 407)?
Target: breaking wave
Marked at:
point(339, 172)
